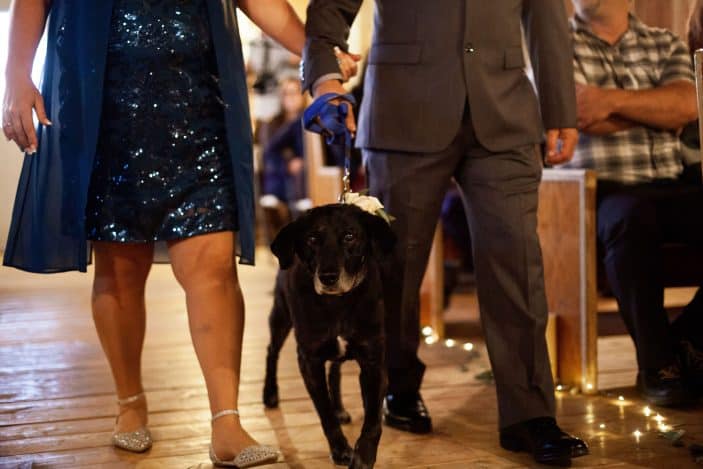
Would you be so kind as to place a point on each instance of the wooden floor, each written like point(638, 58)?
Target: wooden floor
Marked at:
point(57, 400)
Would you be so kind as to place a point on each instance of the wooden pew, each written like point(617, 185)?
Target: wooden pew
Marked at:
point(567, 230)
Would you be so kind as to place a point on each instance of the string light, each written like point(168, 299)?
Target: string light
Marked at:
point(637, 434)
point(560, 387)
point(589, 386)
point(659, 419)
point(429, 340)
point(602, 425)
point(664, 427)
point(468, 346)
point(427, 331)
point(621, 398)
point(647, 411)
point(449, 343)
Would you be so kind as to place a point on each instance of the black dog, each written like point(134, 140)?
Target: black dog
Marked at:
point(329, 288)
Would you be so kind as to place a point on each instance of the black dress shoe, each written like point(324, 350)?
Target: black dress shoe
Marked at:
point(663, 387)
point(406, 412)
point(545, 440)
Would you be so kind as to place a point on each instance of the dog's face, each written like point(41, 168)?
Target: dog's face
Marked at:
point(334, 243)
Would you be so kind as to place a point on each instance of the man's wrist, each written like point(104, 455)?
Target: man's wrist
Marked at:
point(329, 79)
point(615, 100)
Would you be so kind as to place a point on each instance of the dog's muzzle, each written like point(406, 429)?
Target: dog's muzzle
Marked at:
point(337, 283)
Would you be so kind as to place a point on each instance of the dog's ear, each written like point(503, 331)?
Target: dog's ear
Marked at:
point(382, 235)
point(283, 245)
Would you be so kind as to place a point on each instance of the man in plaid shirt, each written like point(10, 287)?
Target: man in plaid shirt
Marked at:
point(635, 90)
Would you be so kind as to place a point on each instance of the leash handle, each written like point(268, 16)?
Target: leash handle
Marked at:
point(329, 120)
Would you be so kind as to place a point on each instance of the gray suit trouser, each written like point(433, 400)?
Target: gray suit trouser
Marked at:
point(500, 197)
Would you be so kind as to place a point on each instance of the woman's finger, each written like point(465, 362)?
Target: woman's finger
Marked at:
point(41, 110)
point(19, 136)
point(29, 131)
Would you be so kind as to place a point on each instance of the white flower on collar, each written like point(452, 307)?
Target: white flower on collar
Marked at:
point(368, 204)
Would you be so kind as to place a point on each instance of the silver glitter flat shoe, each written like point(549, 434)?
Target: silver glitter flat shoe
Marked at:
point(137, 441)
point(254, 455)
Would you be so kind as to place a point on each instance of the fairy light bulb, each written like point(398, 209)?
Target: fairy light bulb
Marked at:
point(468, 346)
point(449, 343)
point(427, 331)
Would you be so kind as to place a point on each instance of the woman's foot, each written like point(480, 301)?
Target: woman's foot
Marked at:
point(229, 438)
point(131, 432)
point(131, 414)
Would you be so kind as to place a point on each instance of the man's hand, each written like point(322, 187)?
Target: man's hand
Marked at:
point(334, 86)
point(594, 105)
point(557, 154)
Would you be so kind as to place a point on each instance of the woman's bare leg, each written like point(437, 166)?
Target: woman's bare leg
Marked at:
point(119, 314)
point(205, 266)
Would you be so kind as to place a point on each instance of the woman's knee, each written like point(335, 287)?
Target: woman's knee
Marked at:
point(121, 267)
point(203, 260)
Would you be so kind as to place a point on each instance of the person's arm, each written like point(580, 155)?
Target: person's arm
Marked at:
point(326, 27)
point(551, 52)
point(608, 126)
point(277, 19)
point(27, 20)
point(669, 107)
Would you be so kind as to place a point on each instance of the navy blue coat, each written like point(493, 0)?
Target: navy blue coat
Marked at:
point(47, 233)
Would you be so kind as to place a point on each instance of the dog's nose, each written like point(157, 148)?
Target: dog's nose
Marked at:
point(328, 278)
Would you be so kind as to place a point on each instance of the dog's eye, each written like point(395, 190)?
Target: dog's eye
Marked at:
point(349, 238)
point(313, 240)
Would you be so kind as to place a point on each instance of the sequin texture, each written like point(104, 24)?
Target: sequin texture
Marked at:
point(136, 441)
point(162, 168)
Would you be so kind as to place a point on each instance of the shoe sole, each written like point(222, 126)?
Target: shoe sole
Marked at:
point(549, 459)
point(407, 426)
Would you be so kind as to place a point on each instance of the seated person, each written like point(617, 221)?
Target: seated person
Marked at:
point(283, 172)
point(635, 91)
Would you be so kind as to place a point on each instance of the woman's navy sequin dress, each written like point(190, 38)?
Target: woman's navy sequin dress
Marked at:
point(162, 169)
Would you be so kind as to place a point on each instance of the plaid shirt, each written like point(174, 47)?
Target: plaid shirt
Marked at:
point(643, 58)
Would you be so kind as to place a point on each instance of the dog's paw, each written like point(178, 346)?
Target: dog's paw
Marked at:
point(357, 463)
point(271, 396)
point(343, 416)
point(342, 456)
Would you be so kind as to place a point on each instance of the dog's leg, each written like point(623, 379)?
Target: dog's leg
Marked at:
point(279, 326)
point(334, 382)
point(313, 371)
point(373, 380)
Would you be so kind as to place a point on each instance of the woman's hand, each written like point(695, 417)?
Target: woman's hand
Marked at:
point(347, 63)
point(21, 97)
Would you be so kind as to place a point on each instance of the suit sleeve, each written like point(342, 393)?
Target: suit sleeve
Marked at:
point(551, 52)
point(327, 25)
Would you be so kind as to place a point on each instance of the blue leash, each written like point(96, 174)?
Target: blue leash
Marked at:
point(329, 120)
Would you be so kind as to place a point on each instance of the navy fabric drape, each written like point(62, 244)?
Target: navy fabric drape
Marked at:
point(47, 232)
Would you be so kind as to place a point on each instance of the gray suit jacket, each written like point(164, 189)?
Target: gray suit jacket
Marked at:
point(428, 56)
